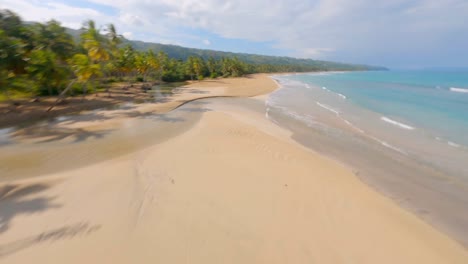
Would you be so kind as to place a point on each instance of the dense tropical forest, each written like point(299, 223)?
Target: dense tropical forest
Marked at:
point(270, 63)
point(48, 59)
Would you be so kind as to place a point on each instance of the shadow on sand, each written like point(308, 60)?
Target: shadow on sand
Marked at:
point(65, 232)
point(14, 201)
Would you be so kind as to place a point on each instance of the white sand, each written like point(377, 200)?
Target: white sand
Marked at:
point(233, 189)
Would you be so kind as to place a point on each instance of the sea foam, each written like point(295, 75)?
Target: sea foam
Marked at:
point(396, 123)
point(458, 90)
point(328, 90)
point(328, 108)
point(455, 145)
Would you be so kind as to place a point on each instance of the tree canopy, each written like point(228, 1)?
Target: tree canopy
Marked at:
point(44, 59)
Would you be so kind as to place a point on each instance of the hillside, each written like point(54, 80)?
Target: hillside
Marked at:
point(182, 53)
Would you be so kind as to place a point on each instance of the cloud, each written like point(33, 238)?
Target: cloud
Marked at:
point(41, 11)
point(206, 42)
point(314, 52)
point(366, 31)
point(127, 35)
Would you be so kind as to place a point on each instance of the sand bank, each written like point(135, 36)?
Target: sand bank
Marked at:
point(233, 188)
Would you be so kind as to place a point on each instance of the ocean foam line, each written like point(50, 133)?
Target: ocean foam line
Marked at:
point(328, 108)
point(458, 90)
point(328, 90)
point(392, 147)
point(393, 122)
point(385, 144)
point(353, 126)
point(337, 113)
point(452, 144)
point(310, 122)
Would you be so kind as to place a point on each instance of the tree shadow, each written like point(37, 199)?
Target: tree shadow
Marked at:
point(66, 232)
point(78, 134)
point(14, 201)
point(84, 117)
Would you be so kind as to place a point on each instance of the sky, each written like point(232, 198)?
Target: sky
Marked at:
point(392, 33)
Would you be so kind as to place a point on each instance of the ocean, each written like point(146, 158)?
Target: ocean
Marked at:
point(403, 132)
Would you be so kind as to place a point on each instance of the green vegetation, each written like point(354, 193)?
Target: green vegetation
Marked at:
point(47, 59)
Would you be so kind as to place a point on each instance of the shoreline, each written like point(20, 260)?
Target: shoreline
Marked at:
point(89, 125)
point(28, 111)
point(434, 195)
point(241, 189)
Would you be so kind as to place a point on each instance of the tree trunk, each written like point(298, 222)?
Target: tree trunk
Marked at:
point(84, 92)
point(61, 95)
point(10, 101)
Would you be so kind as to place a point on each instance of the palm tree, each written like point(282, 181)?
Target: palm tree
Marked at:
point(84, 69)
point(190, 67)
point(95, 45)
point(141, 64)
point(44, 67)
point(52, 36)
point(212, 66)
point(163, 61)
point(113, 38)
point(93, 42)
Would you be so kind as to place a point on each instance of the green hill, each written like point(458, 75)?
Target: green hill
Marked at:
point(182, 53)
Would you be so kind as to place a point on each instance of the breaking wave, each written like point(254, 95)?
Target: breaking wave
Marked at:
point(396, 123)
point(458, 90)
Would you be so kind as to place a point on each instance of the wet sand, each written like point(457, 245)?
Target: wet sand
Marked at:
point(74, 141)
point(229, 187)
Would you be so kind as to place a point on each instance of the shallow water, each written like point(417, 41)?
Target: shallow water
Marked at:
point(413, 165)
point(54, 145)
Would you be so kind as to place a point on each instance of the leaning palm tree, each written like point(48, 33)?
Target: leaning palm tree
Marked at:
point(113, 38)
point(94, 43)
point(113, 41)
point(84, 69)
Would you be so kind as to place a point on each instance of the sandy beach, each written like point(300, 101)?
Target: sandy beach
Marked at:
point(223, 185)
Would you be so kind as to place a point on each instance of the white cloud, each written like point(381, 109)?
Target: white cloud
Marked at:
point(359, 30)
point(127, 35)
point(314, 52)
point(133, 20)
point(70, 16)
point(206, 42)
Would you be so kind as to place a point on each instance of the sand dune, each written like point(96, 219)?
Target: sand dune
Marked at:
point(232, 189)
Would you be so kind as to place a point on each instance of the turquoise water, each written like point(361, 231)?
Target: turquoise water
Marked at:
point(421, 115)
point(436, 101)
point(403, 132)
